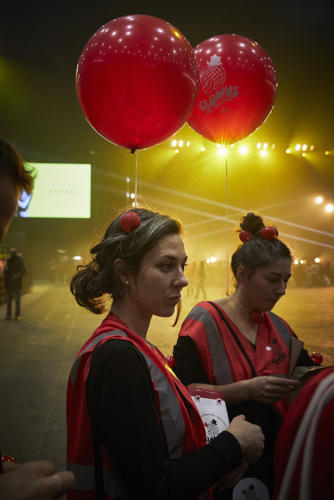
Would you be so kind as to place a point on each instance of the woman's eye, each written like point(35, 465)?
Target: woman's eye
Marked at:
point(165, 267)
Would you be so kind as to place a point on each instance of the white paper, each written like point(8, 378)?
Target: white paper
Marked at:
point(213, 414)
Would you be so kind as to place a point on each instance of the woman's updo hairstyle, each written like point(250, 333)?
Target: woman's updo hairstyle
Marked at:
point(97, 278)
point(257, 252)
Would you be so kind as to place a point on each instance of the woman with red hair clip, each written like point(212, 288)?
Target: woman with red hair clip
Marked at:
point(236, 345)
point(133, 429)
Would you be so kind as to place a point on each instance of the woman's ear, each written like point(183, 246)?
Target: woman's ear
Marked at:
point(241, 274)
point(121, 272)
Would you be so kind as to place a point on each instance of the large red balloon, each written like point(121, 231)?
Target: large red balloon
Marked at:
point(137, 81)
point(237, 88)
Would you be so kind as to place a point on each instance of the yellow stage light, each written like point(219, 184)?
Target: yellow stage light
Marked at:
point(302, 261)
point(329, 208)
point(132, 196)
point(202, 148)
point(319, 200)
point(222, 151)
point(128, 179)
point(174, 143)
point(188, 144)
point(287, 151)
point(243, 150)
point(180, 144)
point(311, 147)
point(304, 147)
point(326, 153)
point(259, 145)
point(297, 147)
point(263, 153)
point(265, 145)
point(296, 261)
point(317, 260)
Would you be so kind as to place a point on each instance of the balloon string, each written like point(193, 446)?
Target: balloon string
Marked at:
point(136, 180)
point(226, 196)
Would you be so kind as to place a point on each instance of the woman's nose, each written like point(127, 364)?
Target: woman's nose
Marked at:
point(181, 280)
point(281, 288)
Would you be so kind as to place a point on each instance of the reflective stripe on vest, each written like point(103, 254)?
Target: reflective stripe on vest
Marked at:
point(95, 341)
point(85, 479)
point(220, 363)
point(281, 328)
point(221, 366)
point(170, 412)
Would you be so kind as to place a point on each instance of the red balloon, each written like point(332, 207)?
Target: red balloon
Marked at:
point(137, 81)
point(237, 88)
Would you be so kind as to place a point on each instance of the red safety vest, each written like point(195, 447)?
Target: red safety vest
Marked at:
point(183, 426)
point(222, 358)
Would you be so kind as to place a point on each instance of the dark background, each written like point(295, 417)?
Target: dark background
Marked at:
point(40, 43)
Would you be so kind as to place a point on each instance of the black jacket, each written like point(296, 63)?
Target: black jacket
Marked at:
point(13, 272)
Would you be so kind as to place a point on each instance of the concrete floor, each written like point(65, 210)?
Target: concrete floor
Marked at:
point(36, 355)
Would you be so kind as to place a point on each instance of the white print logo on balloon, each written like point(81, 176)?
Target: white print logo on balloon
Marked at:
point(212, 77)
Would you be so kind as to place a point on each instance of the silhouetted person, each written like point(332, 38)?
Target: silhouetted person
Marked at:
point(201, 280)
point(13, 272)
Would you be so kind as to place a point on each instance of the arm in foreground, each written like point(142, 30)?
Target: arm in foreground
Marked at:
point(33, 481)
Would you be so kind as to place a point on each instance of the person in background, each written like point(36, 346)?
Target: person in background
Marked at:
point(200, 280)
point(13, 273)
point(236, 345)
point(133, 430)
point(35, 480)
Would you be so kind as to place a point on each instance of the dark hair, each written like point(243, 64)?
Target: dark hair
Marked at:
point(11, 165)
point(97, 278)
point(257, 252)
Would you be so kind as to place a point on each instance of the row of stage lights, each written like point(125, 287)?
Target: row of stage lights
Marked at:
point(319, 200)
point(212, 260)
point(316, 260)
point(263, 148)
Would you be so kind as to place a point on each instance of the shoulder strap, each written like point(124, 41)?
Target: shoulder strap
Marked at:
point(234, 335)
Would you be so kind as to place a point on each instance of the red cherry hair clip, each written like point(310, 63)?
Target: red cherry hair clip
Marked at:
point(269, 232)
point(130, 221)
point(245, 236)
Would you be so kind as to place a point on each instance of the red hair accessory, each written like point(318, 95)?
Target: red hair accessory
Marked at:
point(130, 221)
point(245, 236)
point(317, 358)
point(269, 232)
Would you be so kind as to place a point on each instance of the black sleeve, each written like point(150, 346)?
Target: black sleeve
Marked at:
point(305, 359)
point(188, 364)
point(120, 393)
